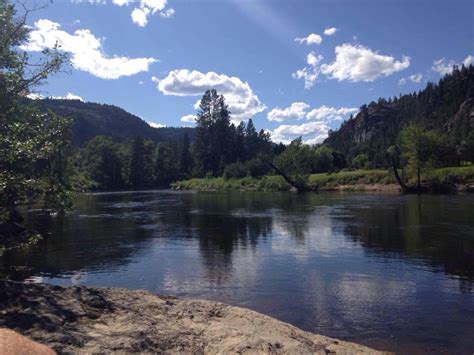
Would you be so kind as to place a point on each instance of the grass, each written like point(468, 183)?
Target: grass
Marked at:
point(348, 180)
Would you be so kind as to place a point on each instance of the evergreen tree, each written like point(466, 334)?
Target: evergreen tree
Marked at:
point(185, 158)
point(213, 142)
point(137, 163)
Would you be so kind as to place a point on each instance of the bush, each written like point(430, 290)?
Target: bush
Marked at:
point(235, 171)
point(257, 168)
point(361, 161)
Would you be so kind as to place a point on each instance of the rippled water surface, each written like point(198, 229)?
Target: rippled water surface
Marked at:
point(393, 272)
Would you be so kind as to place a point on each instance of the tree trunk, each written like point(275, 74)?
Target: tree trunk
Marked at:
point(418, 176)
point(399, 180)
point(299, 187)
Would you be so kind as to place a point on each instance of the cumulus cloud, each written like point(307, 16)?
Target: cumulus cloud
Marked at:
point(311, 132)
point(310, 72)
point(312, 38)
point(329, 31)
point(415, 78)
point(326, 113)
point(189, 119)
point(85, 50)
point(156, 125)
point(68, 96)
point(243, 102)
point(146, 8)
point(142, 11)
point(140, 16)
point(443, 66)
point(468, 60)
point(297, 110)
point(168, 13)
point(359, 63)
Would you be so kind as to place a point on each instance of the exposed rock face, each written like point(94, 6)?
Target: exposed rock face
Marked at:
point(447, 107)
point(463, 121)
point(93, 320)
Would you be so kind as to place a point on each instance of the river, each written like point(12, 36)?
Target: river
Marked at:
point(389, 271)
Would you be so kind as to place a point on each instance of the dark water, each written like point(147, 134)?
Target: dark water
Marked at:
point(393, 272)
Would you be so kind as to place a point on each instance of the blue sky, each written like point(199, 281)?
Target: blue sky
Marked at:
point(296, 67)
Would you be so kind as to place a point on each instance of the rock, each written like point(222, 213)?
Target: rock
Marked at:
point(103, 320)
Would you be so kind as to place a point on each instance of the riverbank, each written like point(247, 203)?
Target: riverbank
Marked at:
point(356, 180)
point(103, 320)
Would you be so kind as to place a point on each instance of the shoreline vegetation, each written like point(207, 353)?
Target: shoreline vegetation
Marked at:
point(461, 178)
point(104, 320)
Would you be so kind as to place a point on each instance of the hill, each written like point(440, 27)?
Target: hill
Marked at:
point(447, 107)
point(93, 119)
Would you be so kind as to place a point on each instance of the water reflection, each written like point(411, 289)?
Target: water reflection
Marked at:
point(368, 268)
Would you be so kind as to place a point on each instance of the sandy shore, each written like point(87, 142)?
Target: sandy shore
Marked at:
point(103, 320)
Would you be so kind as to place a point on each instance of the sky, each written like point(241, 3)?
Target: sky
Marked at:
point(297, 68)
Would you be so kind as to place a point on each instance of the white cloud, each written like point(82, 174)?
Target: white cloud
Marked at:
point(327, 113)
point(297, 110)
point(140, 16)
point(85, 50)
point(68, 96)
point(415, 78)
point(142, 11)
point(359, 63)
point(312, 38)
point(189, 118)
point(311, 132)
point(310, 72)
point(468, 60)
point(243, 102)
point(443, 66)
point(122, 2)
point(149, 7)
point(156, 125)
point(329, 31)
point(168, 13)
point(35, 96)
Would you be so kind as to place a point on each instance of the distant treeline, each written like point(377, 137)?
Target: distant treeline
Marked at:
point(446, 108)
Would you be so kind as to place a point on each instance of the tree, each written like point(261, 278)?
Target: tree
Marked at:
point(361, 161)
point(418, 148)
point(141, 163)
point(295, 164)
point(213, 142)
point(32, 144)
point(323, 160)
point(102, 163)
point(185, 158)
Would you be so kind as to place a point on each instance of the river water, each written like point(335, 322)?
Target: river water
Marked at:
point(389, 271)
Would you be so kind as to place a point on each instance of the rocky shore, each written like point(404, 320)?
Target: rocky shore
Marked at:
point(103, 320)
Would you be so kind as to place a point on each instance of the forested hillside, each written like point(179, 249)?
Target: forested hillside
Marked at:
point(93, 119)
point(446, 107)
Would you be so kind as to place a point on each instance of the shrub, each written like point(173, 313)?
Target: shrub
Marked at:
point(235, 171)
point(257, 167)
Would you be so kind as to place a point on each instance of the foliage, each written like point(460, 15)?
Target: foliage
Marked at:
point(361, 161)
point(33, 144)
point(419, 149)
point(93, 119)
point(218, 142)
point(444, 107)
point(296, 159)
point(235, 170)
